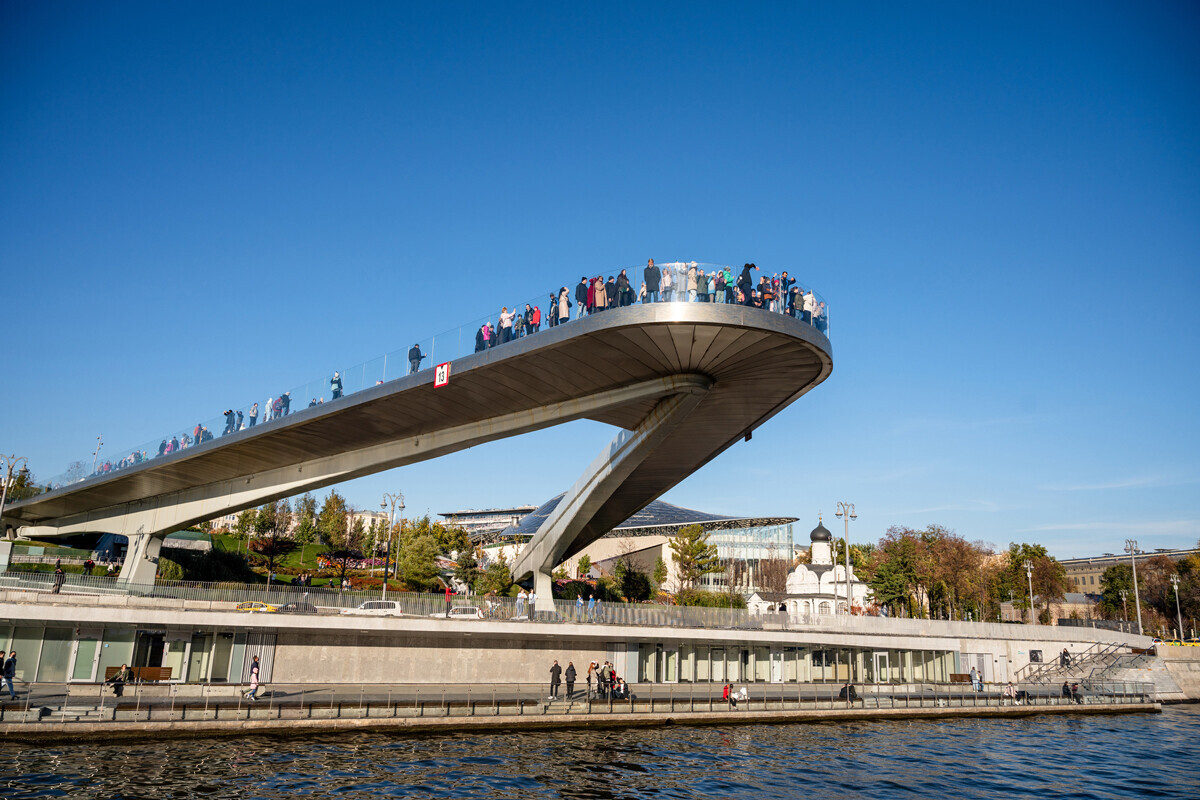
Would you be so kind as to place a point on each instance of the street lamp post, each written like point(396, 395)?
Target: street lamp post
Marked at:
point(846, 511)
point(396, 499)
point(1178, 614)
point(96, 453)
point(1029, 574)
point(1131, 547)
point(1125, 605)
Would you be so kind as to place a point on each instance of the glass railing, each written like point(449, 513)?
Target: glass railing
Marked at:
point(680, 282)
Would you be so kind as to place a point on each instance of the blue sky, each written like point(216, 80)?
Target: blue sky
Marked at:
point(204, 203)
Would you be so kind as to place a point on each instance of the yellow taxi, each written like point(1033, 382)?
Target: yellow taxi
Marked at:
point(256, 607)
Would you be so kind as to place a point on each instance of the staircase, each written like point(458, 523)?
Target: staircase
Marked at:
point(1092, 663)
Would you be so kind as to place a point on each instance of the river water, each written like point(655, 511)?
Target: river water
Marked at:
point(1060, 758)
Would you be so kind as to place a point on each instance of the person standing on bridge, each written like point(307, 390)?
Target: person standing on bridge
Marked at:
point(253, 415)
point(415, 356)
point(335, 385)
point(581, 298)
point(599, 295)
point(59, 577)
point(564, 305)
point(653, 278)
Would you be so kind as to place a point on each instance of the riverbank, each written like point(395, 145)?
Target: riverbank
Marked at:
point(286, 721)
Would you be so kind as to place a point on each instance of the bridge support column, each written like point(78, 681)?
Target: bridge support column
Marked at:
point(628, 449)
point(141, 559)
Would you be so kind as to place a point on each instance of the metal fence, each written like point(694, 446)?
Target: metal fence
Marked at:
point(186, 595)
point(57, 703)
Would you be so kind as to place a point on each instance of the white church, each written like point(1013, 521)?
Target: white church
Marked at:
point(817, 588)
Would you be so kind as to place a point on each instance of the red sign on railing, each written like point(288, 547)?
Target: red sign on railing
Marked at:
point(441, 374)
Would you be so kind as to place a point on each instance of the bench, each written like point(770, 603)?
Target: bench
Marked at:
point(960, 677)
point(141, 674)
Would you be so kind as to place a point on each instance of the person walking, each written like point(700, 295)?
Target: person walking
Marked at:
point(570, 676)
point(591, 607)
point(59, 577)
point(555, 680)
point(10, 672)
point(254, 668)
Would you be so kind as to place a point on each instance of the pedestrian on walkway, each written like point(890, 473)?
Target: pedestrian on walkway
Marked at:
point(521, 597)
point(448, 594)
point(253, 693)
point(532, 603)
point(59, 577)
point(10, 672)
point(570, 676)
point(555, 680)
point(579, 607)
point(590, 673)
point(591, 607)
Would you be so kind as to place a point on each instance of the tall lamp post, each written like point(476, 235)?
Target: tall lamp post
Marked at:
point(1125, 605)
point(1131, 547)
point(10, 463)
point(846, 511)
point(1178, 614)
point(96, 453)
point(396, 499)
point(1029, 574)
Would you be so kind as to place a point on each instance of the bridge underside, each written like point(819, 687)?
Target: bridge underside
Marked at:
point(683, 382)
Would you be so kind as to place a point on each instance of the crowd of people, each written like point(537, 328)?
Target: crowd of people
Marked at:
point(678, 281)
point(608, 684)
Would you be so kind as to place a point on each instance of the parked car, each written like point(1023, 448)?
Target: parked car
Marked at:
point(460, 612)
point(377, 608)
point(256, 607)
point(298, 608)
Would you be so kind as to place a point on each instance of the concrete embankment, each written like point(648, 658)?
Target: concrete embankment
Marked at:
point(258, 721)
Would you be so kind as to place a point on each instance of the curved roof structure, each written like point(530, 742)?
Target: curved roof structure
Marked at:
point(659, 518)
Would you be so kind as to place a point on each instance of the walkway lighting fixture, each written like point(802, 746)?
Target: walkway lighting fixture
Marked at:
point(1131, 547)
point(1125, 605)
point(396, 499)
point(1178, 613)
point(96, 453)
point(847, 510)
point(1029, 574)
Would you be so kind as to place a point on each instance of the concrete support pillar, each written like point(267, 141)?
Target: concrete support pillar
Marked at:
point(141, 559)
point(603, 477)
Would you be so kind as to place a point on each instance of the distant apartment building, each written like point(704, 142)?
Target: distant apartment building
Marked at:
point(1085, 572)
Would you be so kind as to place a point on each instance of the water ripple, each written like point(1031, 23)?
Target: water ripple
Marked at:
point(1068, 758)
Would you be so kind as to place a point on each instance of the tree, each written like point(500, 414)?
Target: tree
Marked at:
point(306, 523)
point(334, 530)
point(632, 583)
point(583, 566)
point(693, 555)
point(417, 561)
point(1114, 580)
point(659, 576)
point(245, 523)
point(271, 523)
point(496, 577)
point(467, 569)
point(773, 571)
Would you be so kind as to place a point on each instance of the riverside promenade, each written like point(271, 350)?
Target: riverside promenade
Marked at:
point(74, 712)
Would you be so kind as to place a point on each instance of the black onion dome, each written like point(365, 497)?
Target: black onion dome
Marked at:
point(820, 534)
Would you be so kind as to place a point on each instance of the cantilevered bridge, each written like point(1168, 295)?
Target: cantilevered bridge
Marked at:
point(681, 381)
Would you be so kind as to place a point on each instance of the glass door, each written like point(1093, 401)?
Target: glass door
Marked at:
point(85, 657)
point(718, 664)
point(882, 666)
